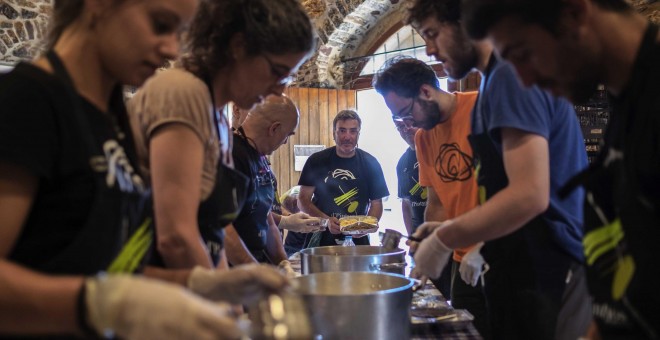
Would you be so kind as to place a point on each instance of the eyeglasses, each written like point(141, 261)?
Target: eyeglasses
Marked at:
point(281, 72)
point(406, 114)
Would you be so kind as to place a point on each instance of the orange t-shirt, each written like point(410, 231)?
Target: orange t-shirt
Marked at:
point(446, 163)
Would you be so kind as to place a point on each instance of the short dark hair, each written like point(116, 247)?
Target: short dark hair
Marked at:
point(404, 76)
point(346, 115)
point(479, 16)
point(445, 11)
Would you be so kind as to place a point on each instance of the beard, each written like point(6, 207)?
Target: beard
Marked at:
point(463, 55)
point(432, 113)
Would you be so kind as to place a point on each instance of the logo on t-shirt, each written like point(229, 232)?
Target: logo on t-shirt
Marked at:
point(348, 198)
point(453, 164)
point(117, 168)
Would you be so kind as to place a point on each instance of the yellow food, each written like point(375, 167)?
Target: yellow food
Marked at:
point(350, 223)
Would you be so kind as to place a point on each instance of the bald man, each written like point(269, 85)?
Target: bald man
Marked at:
point(254, 236)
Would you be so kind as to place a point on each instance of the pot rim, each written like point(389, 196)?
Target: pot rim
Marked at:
point(407, 286)
point(307, 251)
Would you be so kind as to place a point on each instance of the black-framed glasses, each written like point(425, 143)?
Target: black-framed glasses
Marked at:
point(406, 114)
point(281, 72)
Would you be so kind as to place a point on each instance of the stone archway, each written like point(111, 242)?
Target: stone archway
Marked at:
point(354, 35)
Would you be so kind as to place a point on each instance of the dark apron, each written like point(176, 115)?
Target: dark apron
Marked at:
point(621, 221)
point(118, 233)
point(356, 205)
point(253, 227)
point(225, 201)
point(527, 273)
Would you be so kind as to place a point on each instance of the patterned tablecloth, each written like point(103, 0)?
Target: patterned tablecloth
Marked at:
point(443, 322)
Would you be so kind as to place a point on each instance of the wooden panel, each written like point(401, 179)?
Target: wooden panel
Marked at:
point(325, 124)
point(318, 108)
point(330, 115)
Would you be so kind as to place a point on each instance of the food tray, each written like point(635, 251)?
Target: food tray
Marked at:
point(358, 224)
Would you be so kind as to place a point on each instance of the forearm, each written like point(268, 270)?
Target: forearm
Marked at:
point(33, 303)
point(310, 209)
point(274, 245)
point(406, 209)
point(237, 252)
point(177, 276)
point(375, 208)
point(504, 213)
point(276, 217)
point(184, 249)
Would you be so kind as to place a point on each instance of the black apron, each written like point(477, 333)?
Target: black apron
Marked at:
point(621, 221)
point(355, 205)
point(253, 227)
point(118, 233)
point(527, 269)
point(224, 203)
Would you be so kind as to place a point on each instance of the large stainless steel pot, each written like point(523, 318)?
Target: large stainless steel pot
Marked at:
point(352, 259)
point(357, 305)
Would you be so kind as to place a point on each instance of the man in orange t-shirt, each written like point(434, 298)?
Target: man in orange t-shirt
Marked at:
point(412, 92)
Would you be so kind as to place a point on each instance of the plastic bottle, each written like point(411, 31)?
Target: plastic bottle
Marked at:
point(348, 241)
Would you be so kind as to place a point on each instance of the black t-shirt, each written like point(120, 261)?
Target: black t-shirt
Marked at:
point(344, 186)
point(407, 172)
point(252, 222)
point(84, 169)
point(622, 214)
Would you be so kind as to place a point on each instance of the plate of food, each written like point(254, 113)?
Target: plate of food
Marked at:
point(358, 224)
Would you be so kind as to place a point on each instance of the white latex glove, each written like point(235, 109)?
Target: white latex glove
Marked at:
point(472, 265)
point(300, 223)
point(286, 269)
point(243, 284)
point(430, 258)
point(139, 308)
point(422, 232)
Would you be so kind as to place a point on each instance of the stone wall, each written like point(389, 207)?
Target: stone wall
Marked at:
point(23, 23)
point(346, 28)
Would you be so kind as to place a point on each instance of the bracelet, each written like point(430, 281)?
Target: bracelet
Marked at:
point(81, 314)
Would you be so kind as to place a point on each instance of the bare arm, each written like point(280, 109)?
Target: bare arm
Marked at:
point(29, 302)
point(435, 210)
point(305, 202)
point(306, 205)
point(526, 162)
point(237, 252)
point(176, 158)
point(274, 245)
point(376, 208)
point(406, 209)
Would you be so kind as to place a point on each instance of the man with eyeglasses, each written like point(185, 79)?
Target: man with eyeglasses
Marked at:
point(254, 235)
point(412, 92)
point(526, 145)
point(340, 181)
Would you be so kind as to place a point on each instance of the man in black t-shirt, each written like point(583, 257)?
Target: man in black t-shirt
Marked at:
point(342, 180)
point(412, 195)
point(569, 47)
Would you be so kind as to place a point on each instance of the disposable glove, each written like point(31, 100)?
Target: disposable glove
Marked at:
point(300, 222)
point(431, 258)
point(423, 231)
point(472, 265)
point(286, 269)
point(243, 284)
point(139, 308)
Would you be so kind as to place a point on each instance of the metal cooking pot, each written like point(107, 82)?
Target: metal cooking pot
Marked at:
point(352, 259)
point(357, 305)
